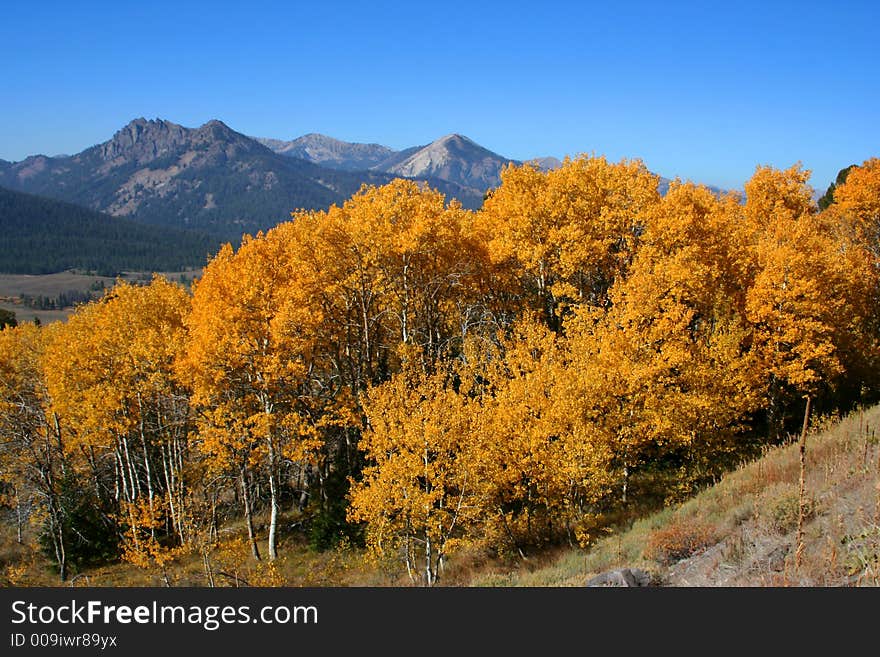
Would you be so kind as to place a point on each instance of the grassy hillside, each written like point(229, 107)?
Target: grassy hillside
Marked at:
point(740, 532)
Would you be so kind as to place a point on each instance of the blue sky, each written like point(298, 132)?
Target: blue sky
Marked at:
point(704, 90)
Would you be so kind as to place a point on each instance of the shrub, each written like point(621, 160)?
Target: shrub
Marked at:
point(680, 539)
point(782, 507)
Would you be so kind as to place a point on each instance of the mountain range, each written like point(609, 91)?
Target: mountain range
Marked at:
point(221, 182)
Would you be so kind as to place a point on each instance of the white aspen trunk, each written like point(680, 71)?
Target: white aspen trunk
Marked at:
point(180, 484)
point(428, 569)
point(404, 316)
point(93, 464)
point(248, 517)
point(273, 484)
point(169, 491)
point(60, 553)
point(47, 475)
point(368, 347)
point(429, 579)
point(147, 469)
point(132, 472)
point(209, 572)
point(407, 543)
point(214, 533)
point(273, 494)
point(57, 426)
point(116, 492)
point(121, 477)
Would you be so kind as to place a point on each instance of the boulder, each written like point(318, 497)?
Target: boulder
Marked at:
point(621, 577)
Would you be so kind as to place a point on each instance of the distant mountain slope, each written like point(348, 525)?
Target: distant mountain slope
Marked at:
point(546, 163)
point(454, 158)
point(42, 236)
point(330, 152)
point(397, 157)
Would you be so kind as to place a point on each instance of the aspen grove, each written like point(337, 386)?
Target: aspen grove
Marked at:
point(408, 375)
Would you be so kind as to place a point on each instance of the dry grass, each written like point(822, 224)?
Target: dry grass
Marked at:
point(47, 285)
point(50, 285)
point(231, 565)
point(25, 314)
point(12, 286)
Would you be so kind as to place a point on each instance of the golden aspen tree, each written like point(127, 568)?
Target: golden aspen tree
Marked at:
point(853, 221)
point(626, 369)
point(32, 454)
point(568, 233)
point(793, 303)
point(394, 265)
point(415, 495)
point(349, 294)
point(540, 470)
point(666, 368)
point(398, 269)
point(859, 196)
point(109, 373)
point(801, 300)
point(153, 340)
point(249, 353)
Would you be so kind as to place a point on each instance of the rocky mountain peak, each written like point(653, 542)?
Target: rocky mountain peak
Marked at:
point(218, 129)
point(143, 140)
point(455, 139)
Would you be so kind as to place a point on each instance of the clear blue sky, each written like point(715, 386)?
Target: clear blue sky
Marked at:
point(701, 90)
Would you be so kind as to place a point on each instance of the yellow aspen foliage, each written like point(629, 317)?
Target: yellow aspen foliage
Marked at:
point(33, 454)
point(774, 195)
point(853, 221)
point(794, 303)
point(109, 373)
point(249, 354)
point(797, 300)
point(507, 378)
point(541, 469)
point(140, 523)
point(568, 233)
point(859, 198)
point(114, 356)
point(416, 492)
point(110, 378)
point(396, 266)
point(22, 387)
point(666, 368)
